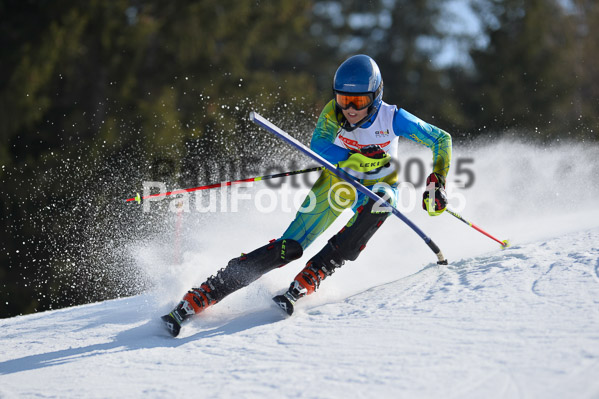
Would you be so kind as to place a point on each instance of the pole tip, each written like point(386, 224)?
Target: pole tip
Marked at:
point(505, 244)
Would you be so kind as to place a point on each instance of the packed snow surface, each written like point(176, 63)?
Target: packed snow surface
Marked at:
point(521, 322)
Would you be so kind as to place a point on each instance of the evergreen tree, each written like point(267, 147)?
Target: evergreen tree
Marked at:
point(403, 37)
point(524, 76)
point(96, 93)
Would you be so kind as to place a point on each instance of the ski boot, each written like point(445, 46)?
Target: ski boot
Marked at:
point(239, 273)
point(344, 246)
point(194, 302)
point(308, 280)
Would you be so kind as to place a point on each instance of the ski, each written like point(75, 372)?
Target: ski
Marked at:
point(267, 125)
point(172, 322)
point(285, 303)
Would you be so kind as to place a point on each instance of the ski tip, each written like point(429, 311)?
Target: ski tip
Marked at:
point(505, 244)
point(171, 324)
point(284, 304)
point(252, 116)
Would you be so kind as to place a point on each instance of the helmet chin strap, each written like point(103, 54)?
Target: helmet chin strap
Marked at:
point(348, 127)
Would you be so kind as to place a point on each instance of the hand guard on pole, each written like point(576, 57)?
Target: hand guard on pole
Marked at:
point(373, 151)
point(367, 162)
point(434, 199)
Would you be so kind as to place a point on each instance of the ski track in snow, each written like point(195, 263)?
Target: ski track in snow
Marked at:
point(515, 323)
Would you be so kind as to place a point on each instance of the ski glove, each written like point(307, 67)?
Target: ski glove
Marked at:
point(434, 199)
point(370, 159)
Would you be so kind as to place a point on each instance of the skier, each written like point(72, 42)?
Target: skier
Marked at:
point(359, 132)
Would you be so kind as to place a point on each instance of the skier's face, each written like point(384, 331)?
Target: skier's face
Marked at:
point(353, 116)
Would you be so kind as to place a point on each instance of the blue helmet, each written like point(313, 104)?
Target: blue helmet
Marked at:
point(359, 75)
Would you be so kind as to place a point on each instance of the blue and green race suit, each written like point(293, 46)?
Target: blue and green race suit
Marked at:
point(330, 195)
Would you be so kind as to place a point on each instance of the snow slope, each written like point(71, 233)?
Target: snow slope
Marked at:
point(523, 322)
point(516, 323)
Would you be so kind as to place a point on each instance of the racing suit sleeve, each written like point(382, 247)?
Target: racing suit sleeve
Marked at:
point(324, 136)
point(438, 140)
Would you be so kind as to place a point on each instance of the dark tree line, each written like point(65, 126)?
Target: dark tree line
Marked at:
point(97, 96)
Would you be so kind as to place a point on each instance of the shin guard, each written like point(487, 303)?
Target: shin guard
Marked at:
point(239, 273)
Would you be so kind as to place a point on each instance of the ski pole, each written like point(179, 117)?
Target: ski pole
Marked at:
point(138, 198)
point(264, 123)
point(504, 243)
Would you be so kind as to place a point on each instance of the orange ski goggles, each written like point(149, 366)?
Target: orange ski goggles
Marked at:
point(358, 101)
